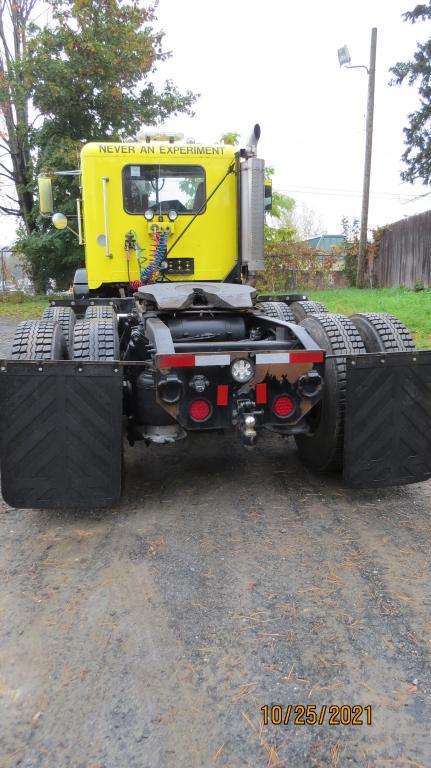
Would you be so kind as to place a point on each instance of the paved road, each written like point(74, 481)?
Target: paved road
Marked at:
point(150, 635)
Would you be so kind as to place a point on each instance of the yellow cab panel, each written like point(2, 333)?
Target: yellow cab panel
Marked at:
point(122, 182)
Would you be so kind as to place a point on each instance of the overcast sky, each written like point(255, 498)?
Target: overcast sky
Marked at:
point(276, 63)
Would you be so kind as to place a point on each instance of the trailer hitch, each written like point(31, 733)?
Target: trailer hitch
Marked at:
point(246, 417)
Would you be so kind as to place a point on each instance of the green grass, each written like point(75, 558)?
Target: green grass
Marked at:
point(414, 309)
point(21, 306)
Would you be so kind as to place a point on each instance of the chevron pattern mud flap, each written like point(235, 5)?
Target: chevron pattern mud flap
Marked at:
point(387, 437)
point(61, 433)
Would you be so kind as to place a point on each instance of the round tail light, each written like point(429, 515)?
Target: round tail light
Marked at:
point(200, 410)
point(283, 406)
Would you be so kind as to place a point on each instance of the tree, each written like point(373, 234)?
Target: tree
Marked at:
point(350, 248)
point(86, 77)
point(417, 156)
point(91, 68)
point(281, 229)
point(15, 87)
point(231, 138)
point(306, 222)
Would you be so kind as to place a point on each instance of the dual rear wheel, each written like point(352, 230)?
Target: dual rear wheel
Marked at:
point(59, 336)
point(292, 313)
point(322, 448)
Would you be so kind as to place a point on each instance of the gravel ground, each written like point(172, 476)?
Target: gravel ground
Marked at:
point(150, 635)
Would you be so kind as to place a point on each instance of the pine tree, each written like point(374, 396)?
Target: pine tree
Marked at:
point(417, 134)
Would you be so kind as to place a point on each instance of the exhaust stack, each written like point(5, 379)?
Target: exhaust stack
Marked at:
point(251, 147)
point(252, 173)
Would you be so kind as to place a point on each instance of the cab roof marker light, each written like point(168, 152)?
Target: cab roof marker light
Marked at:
point(155, 134)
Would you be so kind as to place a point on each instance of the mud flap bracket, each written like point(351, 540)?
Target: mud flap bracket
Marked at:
point(61, 433)
point(387, 436)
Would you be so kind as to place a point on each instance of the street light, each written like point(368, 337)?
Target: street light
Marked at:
point(344, 56)
point(344, 59)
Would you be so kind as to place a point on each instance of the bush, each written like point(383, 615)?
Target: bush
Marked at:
point(48, 256)
point(292, 264)
point(13, 297)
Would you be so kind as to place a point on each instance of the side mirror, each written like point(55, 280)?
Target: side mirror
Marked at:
point(268, 195)
point(46, 204)
point(59, 221)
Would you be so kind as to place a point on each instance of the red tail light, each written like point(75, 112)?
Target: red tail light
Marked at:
point(199, 410)
point(261, 394)
point(222, 394)
point(283, 406)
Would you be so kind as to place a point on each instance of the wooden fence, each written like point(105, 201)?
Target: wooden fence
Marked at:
point(404, 254)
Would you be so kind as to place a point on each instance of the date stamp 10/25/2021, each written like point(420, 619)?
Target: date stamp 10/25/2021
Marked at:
point(313, 714)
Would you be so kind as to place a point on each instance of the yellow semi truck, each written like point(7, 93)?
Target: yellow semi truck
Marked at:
point(166, 335)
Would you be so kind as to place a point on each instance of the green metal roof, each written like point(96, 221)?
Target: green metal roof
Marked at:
point(325, 242)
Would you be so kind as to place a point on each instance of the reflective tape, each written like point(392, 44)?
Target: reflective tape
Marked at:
point(204, 360)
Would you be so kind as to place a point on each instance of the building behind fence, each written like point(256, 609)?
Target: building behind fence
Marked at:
point(404, 253)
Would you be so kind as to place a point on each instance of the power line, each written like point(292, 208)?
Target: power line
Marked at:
point(347, 193)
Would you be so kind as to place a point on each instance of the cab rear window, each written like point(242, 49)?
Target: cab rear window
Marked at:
point(164, 188)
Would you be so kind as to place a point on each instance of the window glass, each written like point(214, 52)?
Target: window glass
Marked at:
point(164, 188)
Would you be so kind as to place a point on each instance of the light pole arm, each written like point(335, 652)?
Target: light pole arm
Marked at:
point(357, 66)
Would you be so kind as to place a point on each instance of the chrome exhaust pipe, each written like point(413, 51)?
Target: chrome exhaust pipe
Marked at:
point(253, 140)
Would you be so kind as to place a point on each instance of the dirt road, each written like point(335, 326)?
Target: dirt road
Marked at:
point(150, 635)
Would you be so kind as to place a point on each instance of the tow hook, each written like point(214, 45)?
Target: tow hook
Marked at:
point(247, 426)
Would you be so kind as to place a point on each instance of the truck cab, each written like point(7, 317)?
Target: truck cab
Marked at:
point(132, 193)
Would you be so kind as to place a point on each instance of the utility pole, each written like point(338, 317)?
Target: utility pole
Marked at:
point(362, 255)
point(3, 276)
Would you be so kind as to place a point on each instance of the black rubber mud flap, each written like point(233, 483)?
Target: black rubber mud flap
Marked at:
point(61, 433)
point(387, 437)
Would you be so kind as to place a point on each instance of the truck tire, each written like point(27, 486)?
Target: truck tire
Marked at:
point(322, 448)
point(39, 340)
point(302, 309)
point(381, 332)
point(100, 312)
point(277, 309)
point(95, 340)
point(66, 319)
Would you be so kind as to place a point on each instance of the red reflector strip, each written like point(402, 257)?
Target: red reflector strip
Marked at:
point(261, 394)
point(306, 356)
point(176, 361)
point(222, 394)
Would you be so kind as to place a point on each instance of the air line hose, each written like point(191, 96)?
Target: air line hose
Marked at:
point(149, 274)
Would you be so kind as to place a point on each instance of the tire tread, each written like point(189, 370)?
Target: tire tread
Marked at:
point(95, 340)
point(38, 340)
point(393, 334)
point(277, 309)
point(302, 309)
point(342, 339)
